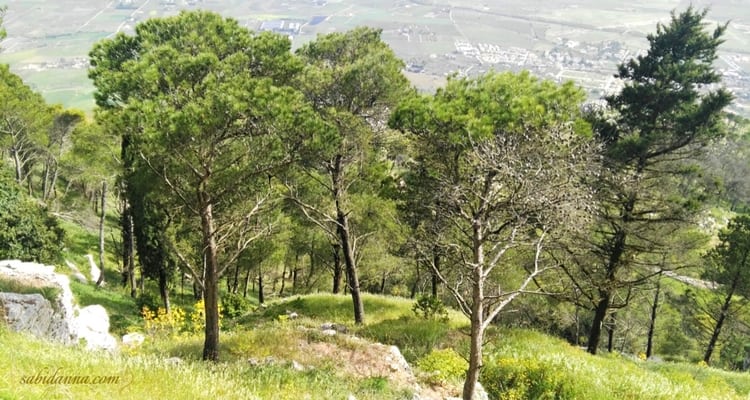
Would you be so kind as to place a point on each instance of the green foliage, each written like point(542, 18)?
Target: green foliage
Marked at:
point(27, 231)
point(26, 121)
point(234, 305)
point(148, 300)
point(430, 307)
point(443, 366)
point(662, 108)
point(3, 32)
point(515, 379)
point(729, 261)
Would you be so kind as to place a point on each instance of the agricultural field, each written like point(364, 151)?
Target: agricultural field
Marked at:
point(582, 40)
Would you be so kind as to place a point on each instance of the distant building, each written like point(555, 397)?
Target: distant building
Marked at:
point(281, 26)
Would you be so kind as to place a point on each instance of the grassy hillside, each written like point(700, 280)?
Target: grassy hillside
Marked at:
point(267, 355)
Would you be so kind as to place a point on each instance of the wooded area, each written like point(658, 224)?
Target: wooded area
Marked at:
point(247, 169)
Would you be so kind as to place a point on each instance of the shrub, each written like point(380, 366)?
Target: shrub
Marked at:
point(512, 379)
point(149, 300)
point(161, 322)
point(429, 307)
point(27, 231)
point(197, 321)
point(443, 366)
point(234, 305)
point(158, 321)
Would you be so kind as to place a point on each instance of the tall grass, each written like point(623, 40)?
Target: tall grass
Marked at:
point(146, 375)
point(530, 365)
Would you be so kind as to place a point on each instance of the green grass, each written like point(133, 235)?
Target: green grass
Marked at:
point(147, 375)
point(519, 364)
point(526, 364)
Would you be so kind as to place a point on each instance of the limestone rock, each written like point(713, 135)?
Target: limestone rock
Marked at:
point(52, 319)
point(80, 277)
point(173, 360)
point(93, 326)
point(93, 269)
point(133, 339)
point(297, 366)
point(27, 312)
point(77, 275)
point(396, 360)
point(339, 328)
point(479, 393)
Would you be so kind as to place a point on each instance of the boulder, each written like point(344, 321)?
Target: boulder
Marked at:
point(133, 339)
point(479, 393)
point(94, 270)
point(396, 360)
point(37, 276)
point(27, 312)
point(58, 318)
point(93, 326)
point(77, 275)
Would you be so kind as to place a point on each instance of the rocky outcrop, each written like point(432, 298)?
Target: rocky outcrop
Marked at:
point(55, 318)
point(92, 325)
point(28, 312)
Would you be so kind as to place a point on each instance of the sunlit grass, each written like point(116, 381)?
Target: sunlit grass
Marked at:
point(537, 364)
point(146, 374)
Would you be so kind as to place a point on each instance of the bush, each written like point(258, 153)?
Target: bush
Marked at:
point(159, 322)
point(148, 300)
point(443, 366)
point(429, 307)
point(234, 305)
point(27, 231)
point(516, 379)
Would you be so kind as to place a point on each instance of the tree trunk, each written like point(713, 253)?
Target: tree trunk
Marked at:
point(100, 281)
point(308, 279)
point(720, 321)
point(45, 181)
point(53, 182)
point(415, 285)
point(611, 332)
point(652, 324)
point(434, 275)
point(128, 243)
point(236, 284)
point(336, 268)
point(247, 281)
point(164, 288)
point(261, 298)
point(295, 272)
point(211, 284)
point(475, 356)
point(17, 163)
point(352, 279)
point(596, 328)
point(477, 315)
point(382, 282)
point(283, 281)
point(347, 246)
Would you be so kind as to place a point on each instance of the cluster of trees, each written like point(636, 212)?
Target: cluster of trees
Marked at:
point(241, 162)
